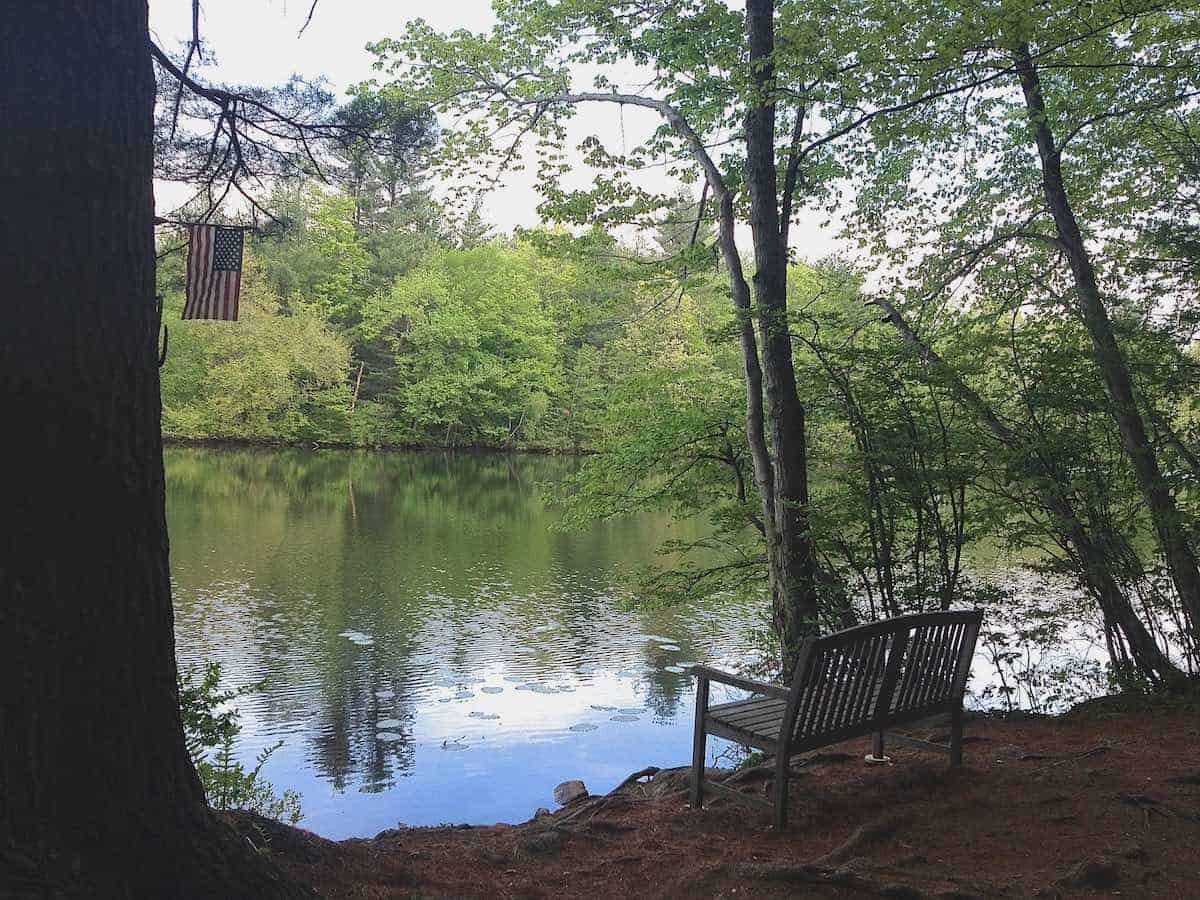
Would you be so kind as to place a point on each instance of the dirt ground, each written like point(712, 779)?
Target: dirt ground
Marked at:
point(1103, 801)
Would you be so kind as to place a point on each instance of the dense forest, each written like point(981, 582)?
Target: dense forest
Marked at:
point(1009, 354)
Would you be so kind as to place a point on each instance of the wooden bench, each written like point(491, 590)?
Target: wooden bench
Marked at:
point(856, 682)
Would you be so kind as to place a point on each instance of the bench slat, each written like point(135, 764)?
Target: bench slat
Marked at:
point(763, 709)
point(736, 705)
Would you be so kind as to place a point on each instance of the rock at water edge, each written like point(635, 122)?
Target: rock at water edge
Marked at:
point(569, 791)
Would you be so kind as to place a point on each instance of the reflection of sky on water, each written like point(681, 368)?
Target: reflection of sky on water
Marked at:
point(509, 766)
point(434, 649)
point(482, 740)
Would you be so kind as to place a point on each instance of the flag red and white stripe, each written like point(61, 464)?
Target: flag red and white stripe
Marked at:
point(214, 272)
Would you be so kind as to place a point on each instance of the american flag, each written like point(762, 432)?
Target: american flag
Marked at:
point(214, 272)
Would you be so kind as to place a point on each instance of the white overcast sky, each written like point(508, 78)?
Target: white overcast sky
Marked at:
point(255, 42)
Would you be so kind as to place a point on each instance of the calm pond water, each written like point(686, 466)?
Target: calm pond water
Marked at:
point(436, 651)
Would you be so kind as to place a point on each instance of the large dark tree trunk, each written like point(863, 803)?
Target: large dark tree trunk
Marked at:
point(97, 794)
point(1110, 361)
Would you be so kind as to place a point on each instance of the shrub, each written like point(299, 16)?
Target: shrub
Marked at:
point(210, 726)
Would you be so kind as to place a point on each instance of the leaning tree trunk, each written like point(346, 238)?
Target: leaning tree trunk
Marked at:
point(780, 463)
point(98, 796)
point(1110, 361)
point(1120, 618)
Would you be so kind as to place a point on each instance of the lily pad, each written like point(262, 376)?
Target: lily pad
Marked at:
point(492, 690)
point(584, 726)
point(388, 723)
point(476, 714)
point(669, 647)
point(631, 710)
point(388, 737)
point(603, 708)
point(678, 670)
point(624, 718)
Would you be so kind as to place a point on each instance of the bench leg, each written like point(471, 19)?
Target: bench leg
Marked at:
point(956, 729)
point(877, 745)
point(698, 744)
point(782, 770)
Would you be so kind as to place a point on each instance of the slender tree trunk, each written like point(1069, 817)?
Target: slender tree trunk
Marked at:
point(760, 453)
point(1119, 614)
point(796, 605)
point(357, 386)
point(780, 463)
point(1110, 361)
point(98, 796)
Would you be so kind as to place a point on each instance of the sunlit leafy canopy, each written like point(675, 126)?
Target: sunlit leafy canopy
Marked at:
point(952, 186)
point(670, 62)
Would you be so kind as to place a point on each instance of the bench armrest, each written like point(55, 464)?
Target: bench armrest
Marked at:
point(746, 684)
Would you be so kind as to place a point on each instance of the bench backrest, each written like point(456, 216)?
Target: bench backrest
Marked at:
point(884, 673)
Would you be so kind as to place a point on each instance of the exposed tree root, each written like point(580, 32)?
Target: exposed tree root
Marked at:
point(865, 834)
point(811, 873)
point(636, 776)
point(831, 869)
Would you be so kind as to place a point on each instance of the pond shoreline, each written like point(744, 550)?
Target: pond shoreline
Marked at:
point(218, 443)
point(1103, 798)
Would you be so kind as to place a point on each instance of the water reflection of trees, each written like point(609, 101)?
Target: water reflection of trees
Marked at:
point(448, 563)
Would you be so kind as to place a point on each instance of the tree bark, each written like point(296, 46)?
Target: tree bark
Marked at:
point(1110, 360)
point(98, 796)
point(796, 602)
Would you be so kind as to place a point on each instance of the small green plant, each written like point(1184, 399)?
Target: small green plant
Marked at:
point(230, 786)
point(751, 759)
point(210, 726)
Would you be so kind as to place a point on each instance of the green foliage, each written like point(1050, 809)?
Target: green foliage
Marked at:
point(895, 453)
point(382, 153)
point(387, 336)
point(229, 785)
point(321, 259)
point(670, 437)
point(208, 719)
point(210, 727)
point(271, 376)
point(474, 349)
